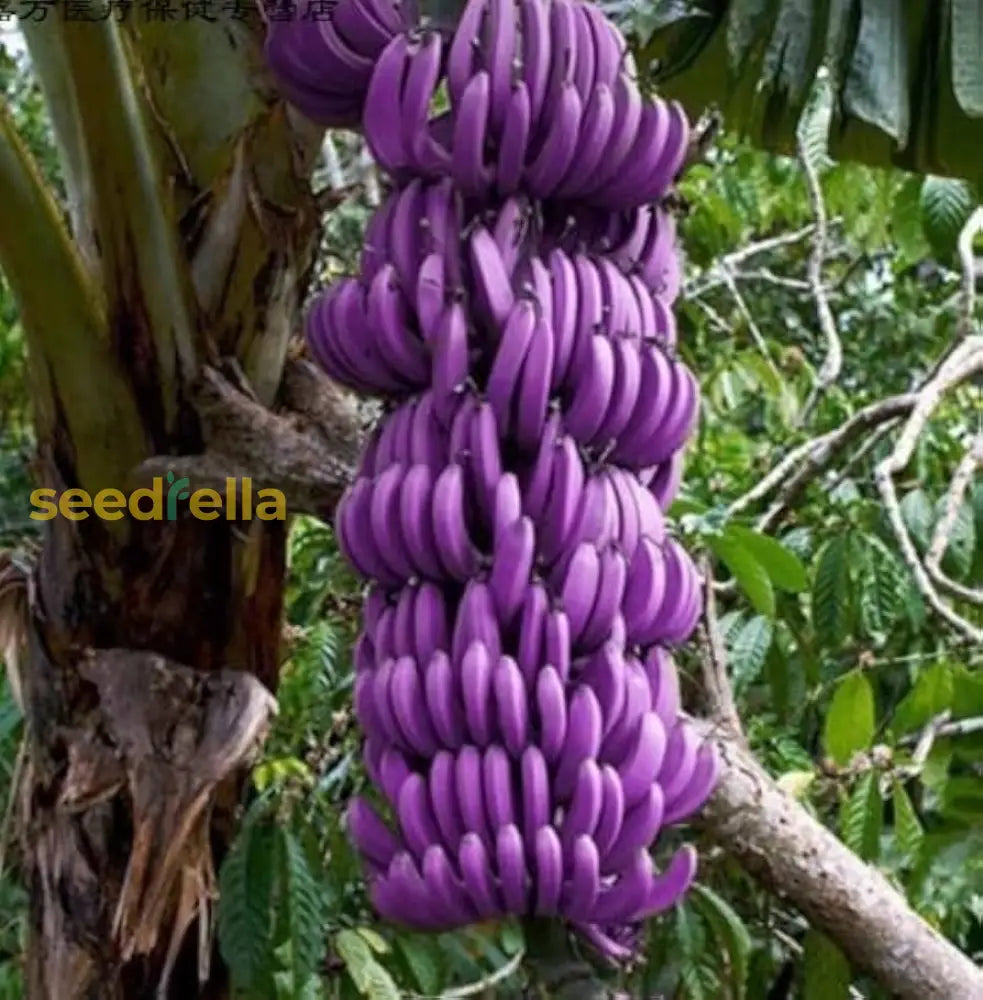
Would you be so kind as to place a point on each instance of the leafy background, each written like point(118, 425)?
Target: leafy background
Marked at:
point(837, 667)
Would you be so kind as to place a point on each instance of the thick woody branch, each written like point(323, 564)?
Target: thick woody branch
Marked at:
point(793, 855)
point(798, 859)
point(309, 453)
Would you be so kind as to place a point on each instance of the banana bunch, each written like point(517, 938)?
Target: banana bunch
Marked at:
point(481, 834)
point(542, 99)
point(391, 333)
point(323, 62)
point(423, 223)
point(514, 677)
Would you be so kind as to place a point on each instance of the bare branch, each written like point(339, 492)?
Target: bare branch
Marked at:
point(712, 277)
point(964, 300)
point(868, 445)
point(713, 316)
point(810, 458)
point(942, 727)
point(770, 278)
point(716, 683)
point(925, 740)
point(961, 478)
point(742, 307)
point(964, 361)
point(972, 228)
point(832, 364)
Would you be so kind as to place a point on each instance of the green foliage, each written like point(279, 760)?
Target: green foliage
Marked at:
point(13, 897)
point(930, 696)
point(371, 979)
point(908, 832)
point(826, 972)
point(819, 610)
point(749, 573)
point(730, 934)
point(749, 650)
point(861, 818)
point(271, 913)
point(945, 205)
point(831, 591)
point(883, 586)
point(245, 904)
point(302, 912)
point(782, 565)
point(761, 60)
point(759, 565)
point(850, 718)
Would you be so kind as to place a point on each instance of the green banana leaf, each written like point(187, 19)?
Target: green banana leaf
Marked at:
point(905, 76)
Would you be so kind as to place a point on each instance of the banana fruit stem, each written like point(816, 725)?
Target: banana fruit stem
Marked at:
point(555, 971)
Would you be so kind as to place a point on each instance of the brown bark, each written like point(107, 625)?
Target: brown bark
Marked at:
point(796, 857)
point(153, 646)
point(136, 754)
point(308, 452)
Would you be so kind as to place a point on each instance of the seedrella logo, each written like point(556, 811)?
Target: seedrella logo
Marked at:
point(234, 503)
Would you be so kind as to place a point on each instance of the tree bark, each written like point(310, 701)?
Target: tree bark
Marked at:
point(796, 857)
point(135, 757)
point(153, 645)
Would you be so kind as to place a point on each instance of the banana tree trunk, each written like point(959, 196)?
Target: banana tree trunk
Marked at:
point(153, 644)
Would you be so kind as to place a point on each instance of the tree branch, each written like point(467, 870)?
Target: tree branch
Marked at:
point(964, 361)
point(943, 729)
point(742, 308)
point(714, 275)
point(793, 855)
point(793, 473)
point(832, 364)
point(309, 454)
point(972, 228)
point(716, 682)
point(961, 479)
